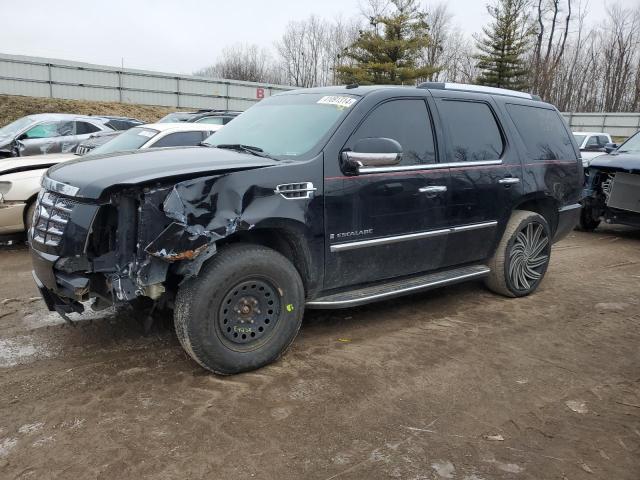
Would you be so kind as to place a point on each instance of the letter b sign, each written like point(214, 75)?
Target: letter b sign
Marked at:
point(260, 93)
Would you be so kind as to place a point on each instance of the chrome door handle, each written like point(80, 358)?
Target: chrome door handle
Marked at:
point(433, 189)
point(509, 180)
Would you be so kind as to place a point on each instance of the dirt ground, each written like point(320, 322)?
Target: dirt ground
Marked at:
point(456, 383)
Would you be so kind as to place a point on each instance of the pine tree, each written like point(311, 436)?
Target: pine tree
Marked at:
point(391, 56)
point(503, 46)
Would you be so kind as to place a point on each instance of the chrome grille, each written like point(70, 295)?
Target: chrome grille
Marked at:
point(83, 150)
point(51, 215)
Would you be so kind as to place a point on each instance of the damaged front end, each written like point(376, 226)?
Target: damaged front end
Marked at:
point(133, 243)
point(612, 194)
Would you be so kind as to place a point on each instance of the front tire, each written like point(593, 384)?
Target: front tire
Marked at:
point(588, 222)
point(242, 311)
point(28, 216)
point(522, 257)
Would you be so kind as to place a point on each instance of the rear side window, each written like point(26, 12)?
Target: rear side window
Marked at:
point(211, 120)
point(180, 139)
point(474, 135)
point(122, 124)
point(543, 132)
point(82, 128)
point(592, 142)
point(407, 122)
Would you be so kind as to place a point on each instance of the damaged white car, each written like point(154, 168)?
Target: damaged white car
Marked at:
point(48, 133)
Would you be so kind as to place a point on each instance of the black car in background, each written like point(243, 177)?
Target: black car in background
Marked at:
point(315, 198)
point(214, 117)
point(612, 190)
point(94, 141)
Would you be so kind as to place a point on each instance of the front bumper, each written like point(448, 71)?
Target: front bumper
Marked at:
point(568, 218)
point(61, 292)
point(12, 217)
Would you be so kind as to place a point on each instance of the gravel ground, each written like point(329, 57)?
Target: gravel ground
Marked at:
point(456, 383)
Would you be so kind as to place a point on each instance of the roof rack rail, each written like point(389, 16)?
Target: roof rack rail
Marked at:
point(463, 87)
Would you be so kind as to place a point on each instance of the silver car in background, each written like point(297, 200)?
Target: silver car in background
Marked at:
point(48, 133)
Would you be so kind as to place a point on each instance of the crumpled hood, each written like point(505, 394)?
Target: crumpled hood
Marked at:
point(617, 161)
point(92, 175)
point(33, 162)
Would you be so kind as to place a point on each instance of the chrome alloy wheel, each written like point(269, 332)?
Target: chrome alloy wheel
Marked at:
point(529, 256)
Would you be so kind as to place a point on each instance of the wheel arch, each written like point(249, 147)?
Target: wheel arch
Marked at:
point(288, 238)
point(543, 205)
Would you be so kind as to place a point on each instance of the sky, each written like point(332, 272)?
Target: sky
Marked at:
point(178, 36)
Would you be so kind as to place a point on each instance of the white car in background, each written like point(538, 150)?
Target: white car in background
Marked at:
point(20, 176)
point(592, 145)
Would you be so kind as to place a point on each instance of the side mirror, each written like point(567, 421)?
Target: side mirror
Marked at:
point(371, 153)
point(610, 147)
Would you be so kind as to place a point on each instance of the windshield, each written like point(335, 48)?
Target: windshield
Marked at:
point(14, 127)
point(579, 139)
point(286, 126)
point(631, 145)
point(176, 117)
point(130, 140)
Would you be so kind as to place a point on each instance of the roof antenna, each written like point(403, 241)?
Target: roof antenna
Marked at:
point(352, 85)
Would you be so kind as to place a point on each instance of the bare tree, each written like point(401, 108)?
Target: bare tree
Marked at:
point(310, 50)
point(243, 62)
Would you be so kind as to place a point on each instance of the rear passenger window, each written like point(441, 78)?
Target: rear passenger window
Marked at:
point(179, 139)
point(543, 132)
point(407, 122)
point(82, 128)
point(473, 133)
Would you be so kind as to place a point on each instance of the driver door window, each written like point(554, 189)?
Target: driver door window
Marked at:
point(43, 130)
point(407, 122)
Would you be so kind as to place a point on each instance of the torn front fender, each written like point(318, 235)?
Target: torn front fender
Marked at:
point(199, 212)
point(177, 243)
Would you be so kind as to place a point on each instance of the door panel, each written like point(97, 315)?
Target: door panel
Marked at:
point(384, 225)
point(485, 177)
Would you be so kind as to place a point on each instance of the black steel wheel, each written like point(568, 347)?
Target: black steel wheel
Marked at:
point(249, 313)
point(242, 311)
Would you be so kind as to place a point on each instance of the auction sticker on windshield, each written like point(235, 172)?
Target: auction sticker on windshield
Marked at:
point(343, 102)
point(146, 133)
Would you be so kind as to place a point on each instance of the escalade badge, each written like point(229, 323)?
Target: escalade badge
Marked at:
point(357, 233)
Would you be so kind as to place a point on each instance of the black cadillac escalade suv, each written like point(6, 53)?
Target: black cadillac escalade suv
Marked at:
point(317, 198)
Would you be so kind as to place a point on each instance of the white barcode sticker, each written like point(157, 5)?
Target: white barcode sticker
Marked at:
point(343, 102)
point(146, 133)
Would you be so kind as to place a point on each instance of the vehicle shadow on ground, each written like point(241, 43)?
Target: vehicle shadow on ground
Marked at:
point(627, 233)
point(97, 336)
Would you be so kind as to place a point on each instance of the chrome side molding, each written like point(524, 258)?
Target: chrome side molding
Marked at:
point(374, 242)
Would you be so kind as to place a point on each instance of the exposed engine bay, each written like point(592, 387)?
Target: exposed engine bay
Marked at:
point(611, 195)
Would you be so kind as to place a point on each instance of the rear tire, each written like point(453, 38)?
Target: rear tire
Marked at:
point(522, 257)
point(242, 311)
